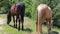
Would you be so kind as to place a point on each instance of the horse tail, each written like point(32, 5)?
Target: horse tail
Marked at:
point(22, 13)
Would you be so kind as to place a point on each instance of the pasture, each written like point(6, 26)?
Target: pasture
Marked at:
point(29, 27)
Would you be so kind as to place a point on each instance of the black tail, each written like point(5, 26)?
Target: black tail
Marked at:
point(22, 13)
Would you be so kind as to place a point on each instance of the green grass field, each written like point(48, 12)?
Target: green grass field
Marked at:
point(29, 27)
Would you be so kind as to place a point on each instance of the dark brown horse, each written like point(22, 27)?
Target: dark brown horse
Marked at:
point(18, 10)
point(43, 12)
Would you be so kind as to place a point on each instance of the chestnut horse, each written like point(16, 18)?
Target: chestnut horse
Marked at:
point(18, 10)
point(43, 12)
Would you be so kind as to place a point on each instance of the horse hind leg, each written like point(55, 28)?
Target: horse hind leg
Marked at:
point(22, 20)
point(19, 23)
point(22, 17)
point(49, 25)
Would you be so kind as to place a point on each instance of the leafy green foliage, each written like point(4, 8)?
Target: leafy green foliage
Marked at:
point(31, 5)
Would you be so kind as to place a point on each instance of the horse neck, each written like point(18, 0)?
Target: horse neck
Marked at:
point(14, 5)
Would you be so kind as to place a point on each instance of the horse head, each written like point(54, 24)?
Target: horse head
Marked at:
point(8, 18)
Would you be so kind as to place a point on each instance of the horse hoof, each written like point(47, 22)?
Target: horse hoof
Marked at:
point(7, 23)
point(16, 26)
point(22, 29)
point(18, 29)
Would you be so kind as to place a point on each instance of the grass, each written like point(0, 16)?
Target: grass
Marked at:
point(29, 27)
point(3, 15)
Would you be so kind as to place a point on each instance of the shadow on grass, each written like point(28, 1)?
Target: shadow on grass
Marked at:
point(54, 32)
point(12, 26)
point(27, 30)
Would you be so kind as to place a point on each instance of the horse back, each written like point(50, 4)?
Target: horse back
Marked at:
point(17, 8)
point(44, 11)
point(12, 9)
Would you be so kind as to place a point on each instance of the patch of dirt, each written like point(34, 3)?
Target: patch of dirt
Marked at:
point(2, 21)
point(27, 22)
point(1, 28)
